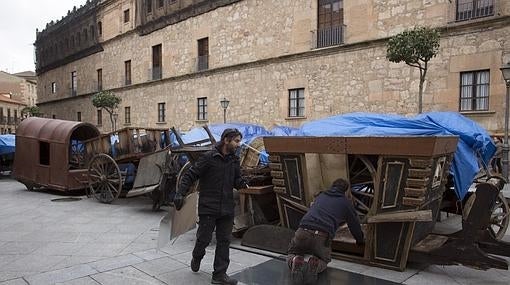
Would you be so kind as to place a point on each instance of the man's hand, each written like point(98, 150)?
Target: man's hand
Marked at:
point(178, 201)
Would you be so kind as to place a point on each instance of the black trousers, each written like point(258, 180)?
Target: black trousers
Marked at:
point(223, 225)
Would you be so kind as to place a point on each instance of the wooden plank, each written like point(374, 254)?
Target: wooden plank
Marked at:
point(257, 190)
point(397, 217)
point(417, 182)
point(415, 192)
point(419, 173)
point(277, 174)
point(407, 201)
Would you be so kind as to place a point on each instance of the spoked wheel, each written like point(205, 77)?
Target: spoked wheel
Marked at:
point(105, 179)
point(362, 176)
point(499, 217)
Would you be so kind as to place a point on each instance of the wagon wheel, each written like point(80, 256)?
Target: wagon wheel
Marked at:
point(183, 170)
point(361, 177)
point(500, 215)
point(105, 179)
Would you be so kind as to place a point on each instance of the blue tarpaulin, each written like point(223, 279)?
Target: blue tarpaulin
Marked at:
point(474, 141)
point(7, 144)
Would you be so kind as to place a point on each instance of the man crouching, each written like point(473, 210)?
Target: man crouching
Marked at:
point(316, 230)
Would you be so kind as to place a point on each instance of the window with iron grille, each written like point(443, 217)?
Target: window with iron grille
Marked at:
point(297, 102)
point(474, 90)
point(161, 112)
point(99, 117)
point(472, 9)
point(78, 116)
point(53, 87)
point(127, 72)
point(203, 54)
point(99, 28)
point(126, 16)
point(127, 115)
point(161, 3)
point(100, 79)
point(202, 108)
point(330, 23)
point(156, 62)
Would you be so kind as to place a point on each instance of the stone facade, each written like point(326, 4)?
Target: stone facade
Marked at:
point(259, 49)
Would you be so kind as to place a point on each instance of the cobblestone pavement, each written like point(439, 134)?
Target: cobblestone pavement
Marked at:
point(86, 242)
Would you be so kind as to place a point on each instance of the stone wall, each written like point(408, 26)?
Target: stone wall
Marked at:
point(261, 48)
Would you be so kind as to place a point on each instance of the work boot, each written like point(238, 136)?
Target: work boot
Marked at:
point(195, 264)
point(223, 280)
point(298, 270)
point(313, 268)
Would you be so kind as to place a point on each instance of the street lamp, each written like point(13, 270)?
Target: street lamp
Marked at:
point(224, 104)
point(505, 69)
point(115, 117)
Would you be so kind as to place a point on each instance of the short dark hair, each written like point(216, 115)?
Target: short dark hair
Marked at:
point(341, 184)
point(230, 133)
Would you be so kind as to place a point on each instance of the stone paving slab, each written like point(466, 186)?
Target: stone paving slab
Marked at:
point(126, 276)
point(61, 275)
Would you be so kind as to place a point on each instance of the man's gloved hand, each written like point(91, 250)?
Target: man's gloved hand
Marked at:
point(178, 201)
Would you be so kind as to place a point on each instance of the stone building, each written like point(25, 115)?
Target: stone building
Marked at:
point(276, 61)
point(21, 86)
point(10, 113)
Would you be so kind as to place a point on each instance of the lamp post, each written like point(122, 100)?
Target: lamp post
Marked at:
point(224, 104)
point(505, 69)
point(115, 117)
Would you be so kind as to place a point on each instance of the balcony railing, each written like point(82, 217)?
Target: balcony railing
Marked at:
point(155, 73)
point(330, 36)
point(474, 9)
point(202, 62)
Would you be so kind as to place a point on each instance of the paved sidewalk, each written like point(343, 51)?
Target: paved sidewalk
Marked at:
point(86, 242)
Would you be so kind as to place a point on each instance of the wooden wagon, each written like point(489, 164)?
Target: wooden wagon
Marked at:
point(397, 186)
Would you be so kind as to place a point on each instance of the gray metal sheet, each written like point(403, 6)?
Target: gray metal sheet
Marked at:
point(275, 271)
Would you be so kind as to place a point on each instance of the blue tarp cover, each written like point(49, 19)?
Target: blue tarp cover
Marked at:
point(474, 141)
point(7, 144)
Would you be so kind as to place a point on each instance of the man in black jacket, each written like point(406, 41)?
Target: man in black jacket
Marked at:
point(316, 230)
point(219, 172)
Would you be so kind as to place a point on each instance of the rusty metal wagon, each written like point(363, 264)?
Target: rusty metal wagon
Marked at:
point(398, 184)
point(47, 153)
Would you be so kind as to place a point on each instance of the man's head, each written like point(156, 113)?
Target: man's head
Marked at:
point(231, 140)
point(340, 185)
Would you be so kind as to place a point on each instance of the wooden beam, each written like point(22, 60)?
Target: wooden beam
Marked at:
point(398, 217)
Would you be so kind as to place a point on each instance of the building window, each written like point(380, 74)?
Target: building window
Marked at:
point(126, 16)
point(99, 118)
point(471, 9)
point(74, 83)
point(156, 62)
point(15, 116)
point(53, 116)
point(203, 54)
point(149, 6)
point(474, 90)
point(9, 118)
point(100, 28)
point(100, 79)
point(161, 3)
point(2, 119)
point(161, 112)
point(53, 87)
point(127, 72)
point(297, 102)
point(330, 22)
point(127, 115)
point(202, 108)
point(78, 116)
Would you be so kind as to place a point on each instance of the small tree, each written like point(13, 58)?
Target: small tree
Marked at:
point(33, 111)
point(108, 101)
point(415, 47)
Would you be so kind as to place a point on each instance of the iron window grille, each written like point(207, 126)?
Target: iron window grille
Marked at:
point(472, 9)
point(297, 102)
point(474, 90)
point(99, 118)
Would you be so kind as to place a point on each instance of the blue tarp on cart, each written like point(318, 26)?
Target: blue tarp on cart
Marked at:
point(474, 141)
point(7, 144)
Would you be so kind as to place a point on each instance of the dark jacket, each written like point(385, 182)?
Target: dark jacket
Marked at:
point(218, 176)
point(329, 211)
